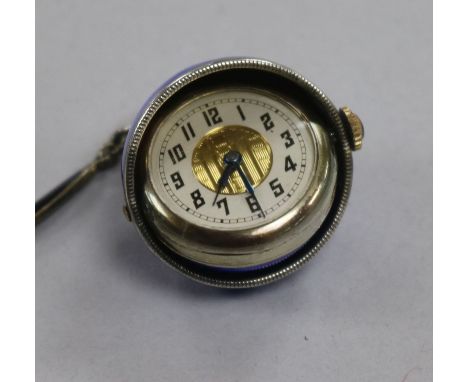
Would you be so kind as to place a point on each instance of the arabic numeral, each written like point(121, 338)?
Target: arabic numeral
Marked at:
point(223, 203)
point(198, 200)
point(289, 164)
point(188, 131)
point(289, 141)
point(212, 116)
point(267, 122)
point(177, 180)
point(253, 203)
point(176, 153)
point(241, 112)
point(276, 187)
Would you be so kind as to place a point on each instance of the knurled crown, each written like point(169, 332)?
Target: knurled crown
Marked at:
point(354, 126)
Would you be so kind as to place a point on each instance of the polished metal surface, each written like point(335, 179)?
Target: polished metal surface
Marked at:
point(253, 246)
point(324, 194)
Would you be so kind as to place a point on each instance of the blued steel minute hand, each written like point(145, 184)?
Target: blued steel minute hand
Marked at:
point(249, 187)
point(233, 161)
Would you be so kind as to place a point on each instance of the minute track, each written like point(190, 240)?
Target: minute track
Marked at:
point(175, 132)
point(249, 253)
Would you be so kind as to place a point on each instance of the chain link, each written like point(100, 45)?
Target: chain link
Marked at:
point(109, 154)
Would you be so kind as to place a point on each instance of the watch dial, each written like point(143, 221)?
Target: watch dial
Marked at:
point(189, 153)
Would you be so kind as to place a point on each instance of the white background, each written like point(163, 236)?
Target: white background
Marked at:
point(106, 310)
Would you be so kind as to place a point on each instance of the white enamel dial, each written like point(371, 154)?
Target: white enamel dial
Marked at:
point(288, 133)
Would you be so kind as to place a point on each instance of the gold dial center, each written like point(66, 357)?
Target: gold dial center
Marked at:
point(208, 155)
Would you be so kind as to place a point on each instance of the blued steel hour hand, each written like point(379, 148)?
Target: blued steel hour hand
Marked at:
point(232, 160)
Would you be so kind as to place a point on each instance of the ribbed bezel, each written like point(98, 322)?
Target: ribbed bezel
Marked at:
point(283, 268)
